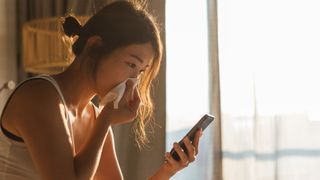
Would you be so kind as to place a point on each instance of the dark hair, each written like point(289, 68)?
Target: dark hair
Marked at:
point(120, 24)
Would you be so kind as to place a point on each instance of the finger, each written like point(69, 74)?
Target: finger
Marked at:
point(196, 140)
point(134, 105)
point(128, 91)
point(136, 100)
point(169, 159)
point(109, 105)
point(135, 96)
point(191, 149)
point(183, 157)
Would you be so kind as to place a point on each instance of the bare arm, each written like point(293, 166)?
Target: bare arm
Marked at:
point(40, 120)
point(108, 167)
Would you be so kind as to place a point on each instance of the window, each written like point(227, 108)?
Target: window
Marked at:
point(187, 79)
point(268, 55)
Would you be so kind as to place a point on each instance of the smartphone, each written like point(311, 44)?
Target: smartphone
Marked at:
point(203, 123)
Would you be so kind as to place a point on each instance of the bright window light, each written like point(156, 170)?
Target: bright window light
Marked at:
point(275, 46)
point(187, 78)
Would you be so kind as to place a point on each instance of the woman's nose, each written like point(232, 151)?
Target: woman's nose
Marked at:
point(135, 74)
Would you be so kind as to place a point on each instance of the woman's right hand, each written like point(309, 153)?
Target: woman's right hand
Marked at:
point(172, 166)
point(127, 109)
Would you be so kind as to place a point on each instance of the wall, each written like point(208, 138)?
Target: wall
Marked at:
point(8, 70)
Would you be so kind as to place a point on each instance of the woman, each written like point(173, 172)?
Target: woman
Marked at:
point(50, 128)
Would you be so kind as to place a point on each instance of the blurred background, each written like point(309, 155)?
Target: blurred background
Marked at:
point(252, 64)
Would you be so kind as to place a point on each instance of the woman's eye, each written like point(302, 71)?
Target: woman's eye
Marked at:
point(131, 65)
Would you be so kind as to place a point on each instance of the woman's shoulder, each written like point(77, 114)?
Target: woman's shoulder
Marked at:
point(36, 95)
point(30, 102)
point(34, 89)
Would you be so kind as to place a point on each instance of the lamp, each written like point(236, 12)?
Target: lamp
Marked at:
point(45, 47)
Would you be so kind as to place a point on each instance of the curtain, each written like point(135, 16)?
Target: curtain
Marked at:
point(187, 81)
point(8, 68)
point(214, 89)
point(268, 53)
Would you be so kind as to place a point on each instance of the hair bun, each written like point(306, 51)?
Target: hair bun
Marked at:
point(71, 26)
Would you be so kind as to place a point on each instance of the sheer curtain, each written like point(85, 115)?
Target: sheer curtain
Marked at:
point(194, 89)
point(214, 89)
point(187, 81)
point(269, 53)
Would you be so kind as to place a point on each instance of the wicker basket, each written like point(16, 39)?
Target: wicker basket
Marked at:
point(45, 47)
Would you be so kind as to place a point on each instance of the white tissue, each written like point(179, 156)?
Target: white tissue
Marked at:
point(116, 93)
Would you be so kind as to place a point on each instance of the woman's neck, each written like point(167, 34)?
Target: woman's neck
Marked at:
point(76, 88)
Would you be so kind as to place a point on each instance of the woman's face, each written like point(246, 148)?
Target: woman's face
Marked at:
point(123, 63)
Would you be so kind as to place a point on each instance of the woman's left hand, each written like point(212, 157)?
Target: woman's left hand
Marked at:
point(172, 166)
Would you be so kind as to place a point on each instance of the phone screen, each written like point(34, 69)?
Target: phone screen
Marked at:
point(203, 123)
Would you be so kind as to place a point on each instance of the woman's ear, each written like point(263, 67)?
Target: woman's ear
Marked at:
point(93, 41)
point(93, 46)
point(91, 53)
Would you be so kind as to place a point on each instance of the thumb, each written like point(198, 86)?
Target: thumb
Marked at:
point(135, 103)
